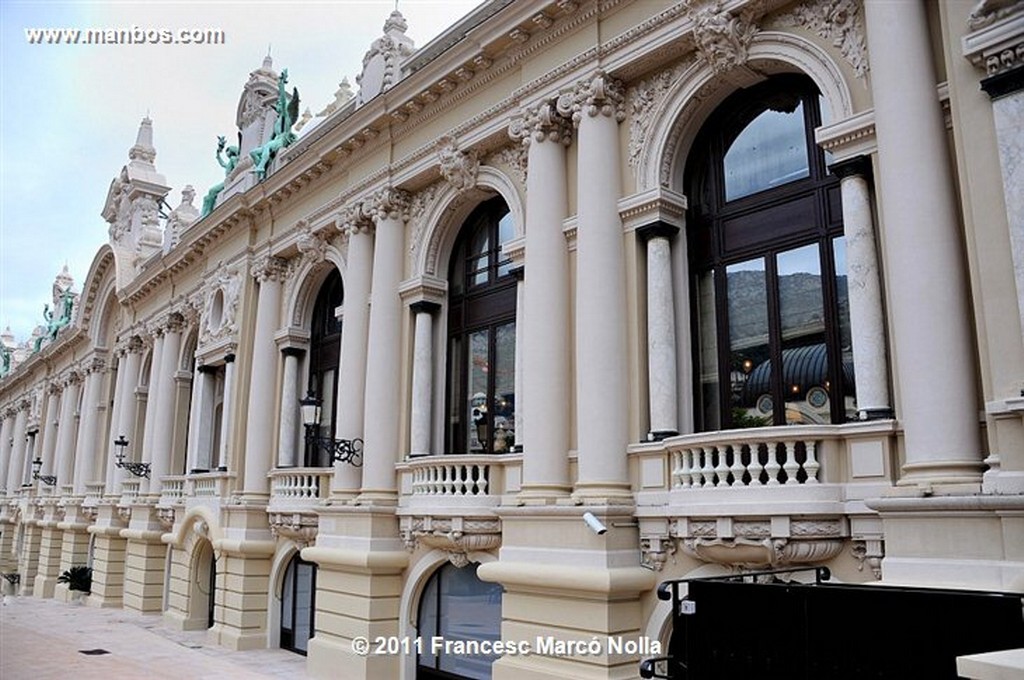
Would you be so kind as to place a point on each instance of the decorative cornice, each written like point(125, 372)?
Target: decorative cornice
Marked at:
point(656, 205)
point(849, 138)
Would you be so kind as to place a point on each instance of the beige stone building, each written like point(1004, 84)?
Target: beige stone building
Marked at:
point(741, 279)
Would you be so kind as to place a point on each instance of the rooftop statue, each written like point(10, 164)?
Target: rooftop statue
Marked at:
point(232, 153)
point(287, 113)
point(5, 360)
point(53, 322)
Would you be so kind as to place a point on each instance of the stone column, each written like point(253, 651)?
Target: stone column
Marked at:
point(934, 352)
point(865, 290)
point(49, 450)
point(200, 445)
point(420, 443)
point(127, 403)
point(227, 411)
point(115, 421)
point(287, 446)
point(6, 436)
point(519, 271)
point(546, 310)
point(16, 466)
point(163, 432)
point(601, 378)
point(383, 391)
point(152, 398)
point(661, 332)
point(86, 449)
point(67, 431)
point(354, 338)
point(261, 420)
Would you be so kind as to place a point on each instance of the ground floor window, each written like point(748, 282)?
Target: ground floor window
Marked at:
point(297, 605)
point(457, 606)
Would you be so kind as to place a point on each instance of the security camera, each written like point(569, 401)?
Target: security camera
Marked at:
point(594, 523)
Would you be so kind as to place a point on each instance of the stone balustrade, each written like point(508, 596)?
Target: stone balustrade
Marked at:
point(173, 490)
point(93, 494)
point(129, 491)
point(460, 480)
point(211, 485)
point(299, 486)
point(758, 462)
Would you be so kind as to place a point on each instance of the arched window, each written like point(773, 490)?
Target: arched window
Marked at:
point(767, 254)
point(324, 348)
point(298, 608)
point(458, 607)
point(481, 335)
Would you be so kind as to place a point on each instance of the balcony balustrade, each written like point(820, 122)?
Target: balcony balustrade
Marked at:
point(292, 488)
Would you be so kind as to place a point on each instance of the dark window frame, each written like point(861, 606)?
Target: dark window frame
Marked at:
point(473, 308)
point(287, 635)
point(324, 356)
point(713, 247)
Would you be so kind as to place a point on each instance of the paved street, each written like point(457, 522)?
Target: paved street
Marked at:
point(44, 640)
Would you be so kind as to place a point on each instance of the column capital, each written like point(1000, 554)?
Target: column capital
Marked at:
point(269, 267)
point(852, 167)
point(657, 229)
point(353, 219)
point(540, 122)
point(599, 94)
point(388, 203)
point(424, 306)
point(94, 365)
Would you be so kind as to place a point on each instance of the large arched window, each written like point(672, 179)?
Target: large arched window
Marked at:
point(298, 608)
point(324, 348)
point(767, 254)
point(457, 607)
point(481, 335)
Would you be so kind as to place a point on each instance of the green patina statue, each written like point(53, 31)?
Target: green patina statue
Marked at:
point(53, 322)
point(5, 360)
point(287, 113)
point(232, 153)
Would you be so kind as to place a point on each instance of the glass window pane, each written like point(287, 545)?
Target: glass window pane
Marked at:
point(504, 398)
point(708, 333)
point(287, 593)
point(769, 152)
point(470, 610)
point(481, 241)
point(478, 274)
point(478, 370)
point(805, 376)
point(845, 330)
point(750, 366)
point(303, 604)
point(428, 620)
point(506, 228)
point(455, 425)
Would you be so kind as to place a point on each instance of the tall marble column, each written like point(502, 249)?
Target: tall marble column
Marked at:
point(601, 378)
point(546, 310)
point(865, 291)
point(934, 352)
point(163, 431)
point(227, 411)
point(16, 465)
point(67, 430)
point(86, 449)
point(200, 433)
point(50, 415)
point(422, 378)
point(662, 376)
point(383, 383)
point(6, 437)
point(153, 397)
point(127, 408)
point(354, 339)
point(288, 436)
point(260, 420)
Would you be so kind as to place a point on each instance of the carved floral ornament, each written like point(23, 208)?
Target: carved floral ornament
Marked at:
point(457, 536)
point(539, 123)
point(388, 203)
point(459, 168)
point(312, 245)
point(220, 309)
point(268, 267)
point(839, 21)
point(721, 38)
point(353, 219)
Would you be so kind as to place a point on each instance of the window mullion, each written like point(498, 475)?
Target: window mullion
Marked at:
point(775, 339)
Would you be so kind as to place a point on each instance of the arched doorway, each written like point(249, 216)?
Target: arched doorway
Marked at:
point(202, 603)
point(324, 355)
point(298, 605)
point(457, 606)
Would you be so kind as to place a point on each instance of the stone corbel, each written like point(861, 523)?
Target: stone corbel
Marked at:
point(775, 542)
point(300, 528)
point(869, 551)
point(655, 551)
point(457, 536)
point(166, 518)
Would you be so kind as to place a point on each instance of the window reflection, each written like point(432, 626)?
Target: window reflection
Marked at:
point(749, 351)
point(769, 152)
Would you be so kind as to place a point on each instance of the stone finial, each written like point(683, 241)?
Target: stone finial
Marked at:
point(143, 153)
point(396, 23)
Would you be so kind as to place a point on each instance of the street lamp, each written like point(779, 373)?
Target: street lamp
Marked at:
point(342, 450)
point(137, 469)
point(37, 466)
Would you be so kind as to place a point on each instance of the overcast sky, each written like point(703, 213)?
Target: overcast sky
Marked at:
point(69, 113)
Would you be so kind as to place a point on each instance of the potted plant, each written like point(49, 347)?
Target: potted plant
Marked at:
point(79, 580)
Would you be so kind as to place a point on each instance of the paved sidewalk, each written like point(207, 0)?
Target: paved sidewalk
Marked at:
point(43, 639)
